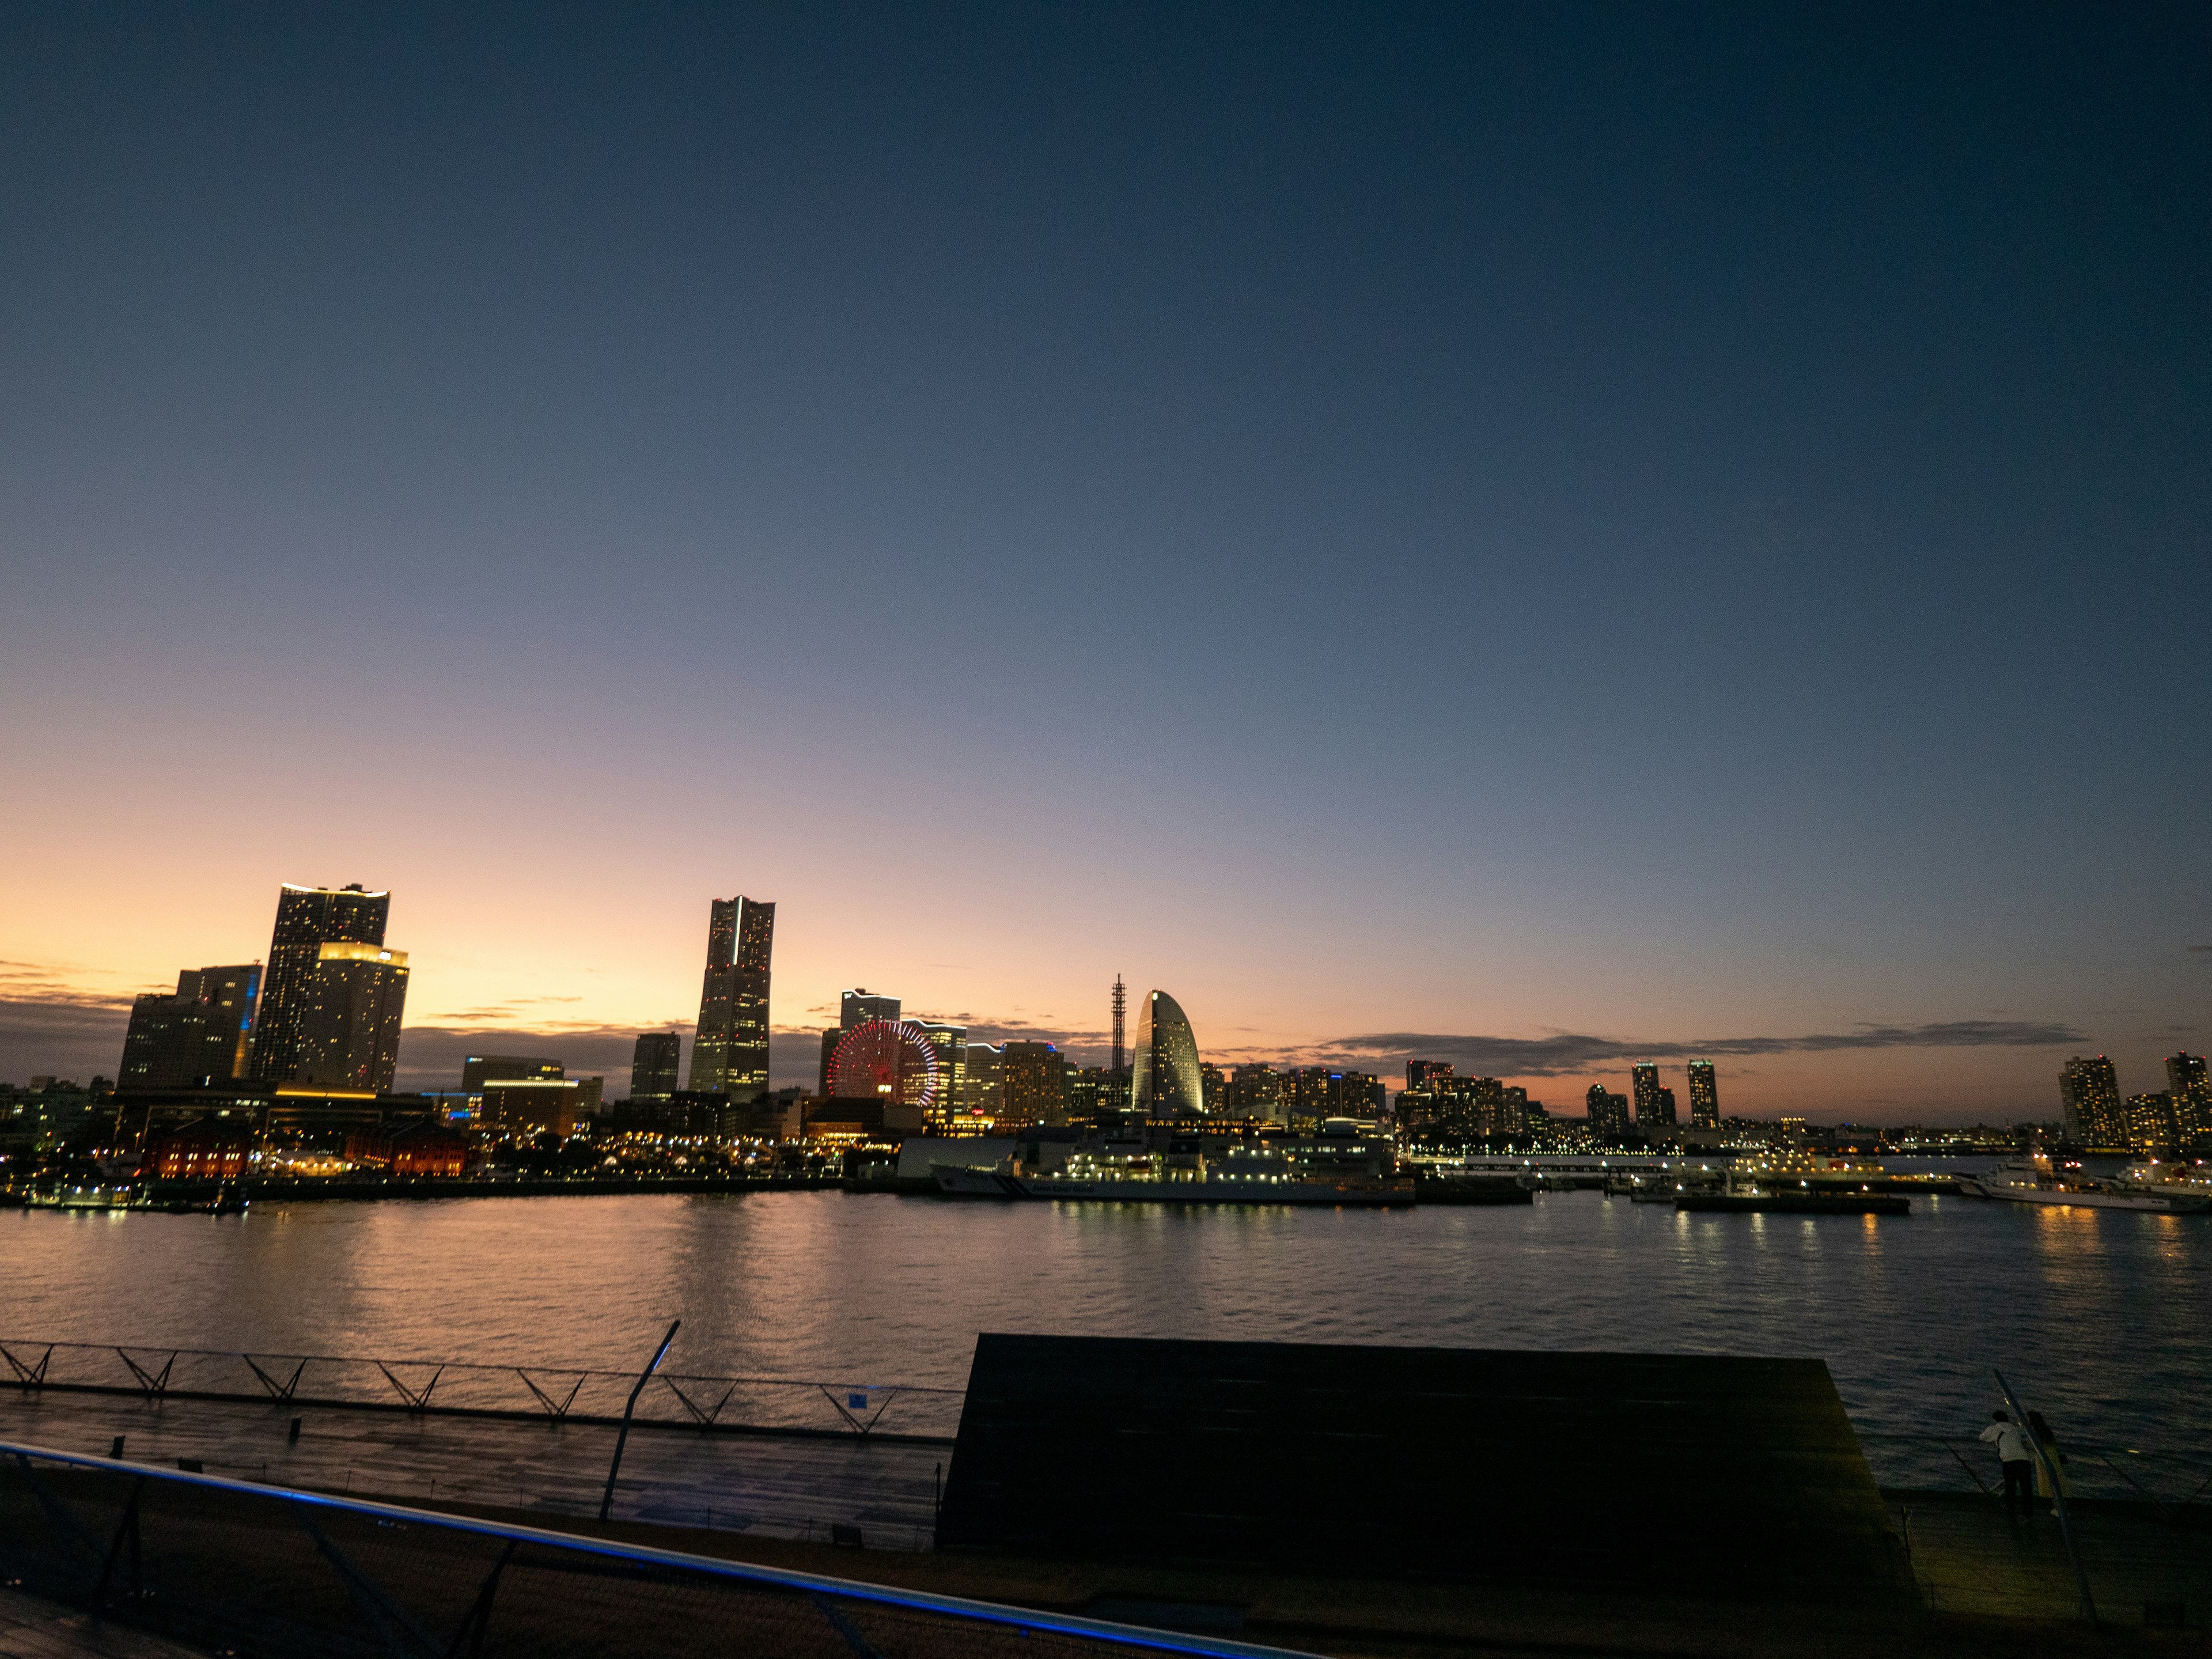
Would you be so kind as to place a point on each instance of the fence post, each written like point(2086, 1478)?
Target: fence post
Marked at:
point(621, 1439)
point(2057, 1493)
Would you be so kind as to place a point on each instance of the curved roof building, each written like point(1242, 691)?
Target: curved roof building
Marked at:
point(1166, 1082)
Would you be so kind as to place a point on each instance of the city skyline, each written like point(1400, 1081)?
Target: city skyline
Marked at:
point(1427, 531)
point(1553, 1068)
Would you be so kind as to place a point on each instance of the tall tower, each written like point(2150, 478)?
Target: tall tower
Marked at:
point(1644, 1085)
point(731, 1050)
point(2090, 1090)
point(1121, 1024)
point(349, 1030)
point(307, 919)
point(1704, 1096)
point(1167, 1081)
point(653, 1066)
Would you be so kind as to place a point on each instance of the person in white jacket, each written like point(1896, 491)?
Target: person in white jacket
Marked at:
point(2018, 1461)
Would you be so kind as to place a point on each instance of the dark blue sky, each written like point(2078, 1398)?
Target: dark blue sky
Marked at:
point(1676, 524)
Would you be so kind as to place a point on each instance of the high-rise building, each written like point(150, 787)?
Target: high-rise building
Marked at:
point(1644, 1086)
point(986, 1095)
point(1167, 1081)
point(476, 1070)
point(858, 1006)
point(1427, 1074)
point(1704, 1096)
point(2089, 1092)
point(2188, 1081)
point(654, 1067)
point(203, 1029)
point(1605, 1113)
point(2153, 1124)
point(1033, 1084)
point(731, 1050)
point(950, 1043)
point(349, 1029)
point(1665, 1112)
point(307, 919)
point(1095, 1092)
point(1256, 1091)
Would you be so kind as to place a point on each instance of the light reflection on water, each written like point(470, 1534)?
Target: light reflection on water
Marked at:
point(2097, 1316)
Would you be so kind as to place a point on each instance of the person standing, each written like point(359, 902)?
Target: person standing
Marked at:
point(2017, 1459)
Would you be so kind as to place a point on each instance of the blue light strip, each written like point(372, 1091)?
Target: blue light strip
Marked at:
point(950, 1607)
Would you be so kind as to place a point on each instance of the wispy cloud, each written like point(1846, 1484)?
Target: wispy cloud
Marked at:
point(1571, 1054)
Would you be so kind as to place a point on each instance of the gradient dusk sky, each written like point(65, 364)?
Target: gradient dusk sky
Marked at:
point(1530, 536)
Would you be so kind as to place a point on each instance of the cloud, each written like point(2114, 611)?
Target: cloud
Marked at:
point(1569, 1055)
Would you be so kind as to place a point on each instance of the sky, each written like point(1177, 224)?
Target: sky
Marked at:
point(1534, 536)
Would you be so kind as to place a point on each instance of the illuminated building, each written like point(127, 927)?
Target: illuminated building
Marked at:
point(476, 1070)
point(858, 1007)
point(2191, 1088)
point(308, 918)
point(2151, 1124)
point(654, 1066)
point(1032, 1085)
point(1166, 1082)
point(1256, 1091)
point(889, 1062)
point(950, 1043)
point(203, 1030)
point(1704, 1096)
point(1096, 1091)
point(1607, 1113)
point(349, 1028)
point(2089, 1089)
point(525, 1106)
point(1426, 1074)
point(984, 1097)
point(730, 1049)
point(206, 1149)
point(1653, 1105)
point(412, 1149)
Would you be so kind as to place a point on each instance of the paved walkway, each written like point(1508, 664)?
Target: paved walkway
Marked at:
point(1970, 1557)
point(31, 1629)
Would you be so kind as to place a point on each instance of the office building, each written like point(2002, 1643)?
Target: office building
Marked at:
point(1426, 1075)
point(350, 1029)
point(307, 919)
point(858, 1007)
point(985, 1096)
point(1166, 1082)
point(1033, 1086)
point(525, 1106)
point(730, 1053)
point(950, 1043)
point(1607, 1113)
point(203, 1029)
point(653, 1066)
point(1704, 1096)
point(1095, 1092)
point(2153, 1125)
point(2089, 1092)
point(1256, 1090)
point(476, 1070)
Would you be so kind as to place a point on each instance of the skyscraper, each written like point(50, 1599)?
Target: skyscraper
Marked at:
point(1704, 1096)
point(1644, 1085)
point(731, 1051)
point(950, 1043)
point(205, 1029)
point(1033, 1084)
point(476, 1070)
point(307, 919)
point(1607, 1113)
point(2189, 1082)
point(349, 1029)
point(1427, 1074)
point(858, 1007)
point(1167, 1083)
point(2090, 1090)
point(653, 1067)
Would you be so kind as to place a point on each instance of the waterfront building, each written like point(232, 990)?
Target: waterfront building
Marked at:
point(2191, 1088)
point(1033, 1086)
point(205, 1149)
point(349, 1028)
point(1605, 1113)
point(410, 1151)
point(476, 1070)
point(1513, 1109)
point(729, 1051)
point(2089, 1092)
point(1704, 1096)
point(205, 1029)
point(307, 919)
point(525, 1106)
point(654, 1066)
point(2151, 1123)
point(1311, 1093)
point(1256, 1091)
point(985, 1096)
point(858, 1007)
point(950, 1043)
point(1096, 1091)
point(1210, 1086)
point(1427, 1074)
point(1644, 1088)
point(1663, 1105)
point(1166, 1082)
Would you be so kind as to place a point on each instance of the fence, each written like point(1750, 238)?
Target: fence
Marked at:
point(231, 1566)
point(2179, 1488)
point(754, 1405)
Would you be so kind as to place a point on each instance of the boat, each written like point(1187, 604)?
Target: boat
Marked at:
point(2032, 1180)
point(1135, 1187)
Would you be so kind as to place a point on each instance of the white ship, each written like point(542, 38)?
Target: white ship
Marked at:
point(2032, 1181)
point(1142, 1177)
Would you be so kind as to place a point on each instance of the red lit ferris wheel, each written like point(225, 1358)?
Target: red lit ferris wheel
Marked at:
point(886, 1060)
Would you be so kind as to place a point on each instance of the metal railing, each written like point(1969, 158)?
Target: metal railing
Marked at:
point(2174, 1487)
point(256, 1569)
point(558, 1394)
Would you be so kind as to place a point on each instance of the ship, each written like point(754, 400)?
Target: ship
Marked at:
point(1366, 1192)
point(2032, 1180)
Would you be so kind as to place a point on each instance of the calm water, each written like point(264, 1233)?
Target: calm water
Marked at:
point(2099, 1318)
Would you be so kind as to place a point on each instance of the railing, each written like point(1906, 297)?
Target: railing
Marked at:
point(2173, 1486)
point(741, 1405)
point(251, 1569)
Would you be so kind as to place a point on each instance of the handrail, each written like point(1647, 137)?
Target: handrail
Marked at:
point(815, 1584)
